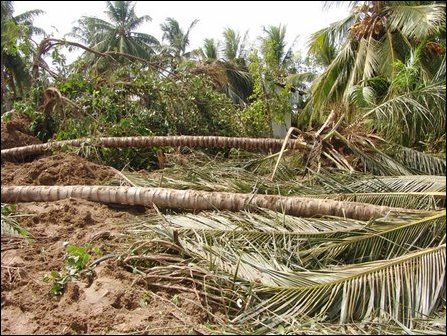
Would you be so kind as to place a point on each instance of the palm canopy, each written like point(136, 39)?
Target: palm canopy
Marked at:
point(16, 48)
point(234, 46)
point(276, 55)
point(210, 49)
point(386, 54)
point(178, 39)
point(119, 33)
point(225, 63)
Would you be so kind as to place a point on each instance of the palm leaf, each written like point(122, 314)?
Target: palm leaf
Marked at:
point(383, 241)
point(404, 184)
point(406, 288)
point(417, 22)
point(9, 224)
point(419, 162)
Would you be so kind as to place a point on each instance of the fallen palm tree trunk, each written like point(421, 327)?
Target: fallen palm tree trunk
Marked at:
point(198, 200)
point(256, 144)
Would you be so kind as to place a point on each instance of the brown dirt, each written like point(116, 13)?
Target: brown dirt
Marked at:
point(113, 300)
point(61, 169)
point(16, 134)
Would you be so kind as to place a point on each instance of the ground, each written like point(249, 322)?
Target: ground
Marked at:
point(113, 300)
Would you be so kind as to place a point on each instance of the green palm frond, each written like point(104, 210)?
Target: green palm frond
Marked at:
point(28, 15)
point(330, 85)
point(9, 223)
point(418, 111)
point(421, 192)
point(404, 184)
point(211, 49)
point(406, 288)
point(234, 45)
point(419, 162)
point(383, 240)
point(332, 36)
point(417, 22)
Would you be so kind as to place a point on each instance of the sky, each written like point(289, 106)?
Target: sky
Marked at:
point(301, 18)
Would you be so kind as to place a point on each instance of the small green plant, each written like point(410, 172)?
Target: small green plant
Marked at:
point(76, 259)
point(146, 298)
point(9, 223)
point(176, 300)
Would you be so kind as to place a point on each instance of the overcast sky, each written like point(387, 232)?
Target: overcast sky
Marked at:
point(301, 18)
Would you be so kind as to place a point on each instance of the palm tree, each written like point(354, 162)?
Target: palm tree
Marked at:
point(119, 34)
point(292, 270)
point(199, 200)
point(270, 71)
point(16, 50)
point(330, 269)
point(229, 72)
point(380, 47)
point(234, 46)
point(276, 56)
point(256, 144)
point(178, 40)
point(210, 49)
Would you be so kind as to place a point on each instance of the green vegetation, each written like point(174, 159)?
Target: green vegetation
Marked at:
point(9, 224)
point(76, 259)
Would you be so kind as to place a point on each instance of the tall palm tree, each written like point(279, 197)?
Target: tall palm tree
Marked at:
point(227, 66)
point(273, 47)
point(270, 70)
point(178, 39)
point(16, 50)
point(210, 49)
point(374, 45)
point(234, 46)
point(119, 33)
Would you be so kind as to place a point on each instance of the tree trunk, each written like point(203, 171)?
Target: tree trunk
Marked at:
point(197, 200)
point(253, 144)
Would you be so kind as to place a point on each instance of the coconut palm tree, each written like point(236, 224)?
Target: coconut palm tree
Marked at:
point(270, 71)
point(16, 50)
point(234, 46)
point(227, 66)
point(177, 39)
point(119, 33)
point(380, 47)
point(289, 270)
point(273, 47)
point(210, 49)
point(200, 200)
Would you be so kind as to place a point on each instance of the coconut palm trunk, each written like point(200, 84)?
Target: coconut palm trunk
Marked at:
point(197, 200)
point(251, 144)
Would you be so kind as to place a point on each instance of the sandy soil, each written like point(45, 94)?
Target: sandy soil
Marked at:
point(61, 169)
point(15, 134)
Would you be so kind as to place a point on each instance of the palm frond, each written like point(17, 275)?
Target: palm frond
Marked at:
point(420, 111)
point(383, 240)
point(215, 175)
point(403, 184)
point(417, 22)
point(9, 223)
point(407, 288)
point(419, 162)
